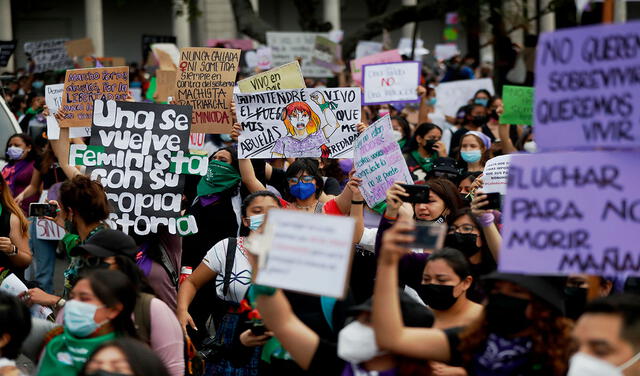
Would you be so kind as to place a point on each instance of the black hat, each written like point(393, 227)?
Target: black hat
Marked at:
point(106, 243)
point(414, 314)
point(548, 289)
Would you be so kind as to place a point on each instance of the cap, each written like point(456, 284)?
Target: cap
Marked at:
point(107, 243)
point(414, 314)
point(545, 288)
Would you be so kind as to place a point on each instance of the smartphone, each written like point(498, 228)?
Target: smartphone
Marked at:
point(428, 236)
point(417, 193)
point(495, 201)
point(258, 330)
point(42, 210)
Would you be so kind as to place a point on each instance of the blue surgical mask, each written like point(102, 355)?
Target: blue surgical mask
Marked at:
point(481, 101)
point(14, 152)
point(302, 191)
point(432, 101)
point(79, 318)
point(255, 221)
point(471, 156)
point(37, 84)
point(226, 137)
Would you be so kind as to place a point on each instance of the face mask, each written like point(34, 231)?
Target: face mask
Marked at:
point(397, 135)
point(506, 314)
point(530, 147)
point(582, 364)
point(481, 101)
point(226, 137)
point(471, 156)
point(575, 301)
point(439, 297)
point(37, 84)
point(255, 221)
point(78, 318)
point(14, 152)
point(357, 343)
point(465, 243)
point(479, 120)
point(432, 101)
point(428, 146)
point(220, 177)
point(302, 190)
point(381, 113)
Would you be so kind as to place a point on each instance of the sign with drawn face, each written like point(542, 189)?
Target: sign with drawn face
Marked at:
point(298, 123)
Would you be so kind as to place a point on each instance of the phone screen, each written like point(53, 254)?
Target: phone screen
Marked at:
point(428, 236)
point(417, 193)
point(42, 210)
point(495, 201)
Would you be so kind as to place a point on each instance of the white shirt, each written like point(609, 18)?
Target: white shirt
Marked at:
point(240, 279)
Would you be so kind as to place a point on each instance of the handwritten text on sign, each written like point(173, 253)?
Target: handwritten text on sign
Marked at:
point(378, 161)
point(495, 174)
point(48, 54)
point(518, 105)
point(205, 81)
point(48, 230)
point(588, 87)
point(298, 123)
point(572, 212)
point(391, 82)
point(287, 47)
point(288, 76)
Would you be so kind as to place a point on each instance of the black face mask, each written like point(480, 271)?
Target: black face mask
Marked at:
point(428, 146)
point(506, 315)
point(439, 297)
point(479, 120)
point(465, 243)
point(494, 115)
point(575, 301)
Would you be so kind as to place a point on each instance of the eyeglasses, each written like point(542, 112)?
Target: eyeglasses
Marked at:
point(462, 229)
point(305, 179)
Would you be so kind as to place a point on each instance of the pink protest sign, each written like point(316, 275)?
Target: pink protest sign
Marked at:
point(391, 56)
point(587, 88)
point(572, 212)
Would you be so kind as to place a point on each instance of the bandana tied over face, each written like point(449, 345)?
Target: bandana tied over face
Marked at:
point(220, 177)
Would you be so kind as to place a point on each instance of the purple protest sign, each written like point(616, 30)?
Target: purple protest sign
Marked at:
point(572, 212)
point(587, 88)
point(391, 82)
point(379, 161)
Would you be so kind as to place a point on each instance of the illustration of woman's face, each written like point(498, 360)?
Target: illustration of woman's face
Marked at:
point(299, 121)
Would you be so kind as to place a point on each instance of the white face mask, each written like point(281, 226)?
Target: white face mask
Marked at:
point(586, 365)
point(357, 343)
point(397, 135)
point(530, 147)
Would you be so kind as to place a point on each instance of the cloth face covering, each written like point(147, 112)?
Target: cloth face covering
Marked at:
point(357, 343)
point(302, 190)
point(220, 177)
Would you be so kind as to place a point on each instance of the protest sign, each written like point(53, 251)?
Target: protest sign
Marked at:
point(79, 47)
point(48, 230)
point(327, 54)
point(366, 48)
point(53, 99)
point(298, 123)
point(587, 87)
point(287, 47)
point(446, 51)
point(495, 174)
point(75, 132)
point(196, 142)
point(518, 105)
point(572, 212)
point(165, 85)
point(205, 81)
point(288, 76)
point(450, 96)
point(405, 48)
point(7, 47)
point(167, 55)
point(391, 82)
point(12, 285)
point(379, 161)
point(133, 150)
point(308, 253)
point(100, 62)
point(148, 40)
point(48, 55)
point(240, 44)
point(383, 57)
point(83, 86)
point(263, 55)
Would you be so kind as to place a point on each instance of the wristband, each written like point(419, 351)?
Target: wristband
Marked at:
point(389, 217)
point(486, 219)
point(361, 202)
point(14, 252)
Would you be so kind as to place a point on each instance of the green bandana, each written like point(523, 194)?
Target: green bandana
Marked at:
point(329, 105)
point(380, 207)
point(66, 354)
point(220, 177)
point(402, 143)
point(425, 163)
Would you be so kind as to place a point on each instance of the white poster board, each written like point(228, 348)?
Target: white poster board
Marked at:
point(496, 174)
point(391, 82)
point(13, 285)
point(455, 94)
point(53, 99)
point(48, 230)
point(367, 47)
point(286, 47)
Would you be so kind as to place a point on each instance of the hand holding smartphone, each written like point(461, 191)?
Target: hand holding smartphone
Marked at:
point(428, 236)
point(417, 193)
point(42, 210)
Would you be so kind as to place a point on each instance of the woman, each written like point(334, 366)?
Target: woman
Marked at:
point(99, 310)
point(15, 325)
point(425, 146)
point(21, 154)
point(475, 151)
point(521, 332)
point(227, 264)
point(401, 130)
point(14, 234)
point(481, 97)
point(124, 356)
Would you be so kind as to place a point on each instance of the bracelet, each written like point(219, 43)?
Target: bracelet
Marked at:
point(389, 217)
point(14, 252)
point(361, 202)
point(60, 303)
point(486, 219)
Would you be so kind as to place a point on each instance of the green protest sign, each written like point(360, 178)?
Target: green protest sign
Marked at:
point(518, 105)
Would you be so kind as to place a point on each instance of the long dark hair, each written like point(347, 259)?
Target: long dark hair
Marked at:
point(488, 261)
point(421, 131)
point(244, 230)
point(15, 320)
point(142, 360)
point(448, 192)
point(455, 259)
point(9, 203)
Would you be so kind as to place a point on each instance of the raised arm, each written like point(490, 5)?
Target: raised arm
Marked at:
point(503, 131)
point(486, 219)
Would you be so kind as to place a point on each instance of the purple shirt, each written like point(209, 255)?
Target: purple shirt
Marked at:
point(307, 147)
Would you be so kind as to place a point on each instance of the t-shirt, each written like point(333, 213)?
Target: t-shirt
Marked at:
point(307, 147)
point(240, 275)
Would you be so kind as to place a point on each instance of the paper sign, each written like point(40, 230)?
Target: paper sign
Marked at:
point(240, 44)
point(379, 161)
point(298, 123)
point(383, 57)
point(162, 51)
point(165, 85)
point(288, 76)
point(309, 253)
point(572, 212)
point(79, 47)
point(12, 285)
point(451, 96)
point(196, 141)
point(48, 55)
point(327, 54)
point(7, 47)
point(366, 48)
point(83, 86)
point(76, 132)
point(53, 99)
point(205, 81)
point(287, 47)
point(148, 40)
point(495, 174)
point(48, 230)
point(587, 91)
point(391, 82)
point(446, 51)
point(518, 105)
point(263, 55)
point(133, 146)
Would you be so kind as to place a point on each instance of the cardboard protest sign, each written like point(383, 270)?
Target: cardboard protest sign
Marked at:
point(7, 47)
point(587, 91)
point(148, 40)
point(263, 55)
point(48, 55)
point(518, 105)
point(133, 150)
point(205, 81)
point(391, 82)
point(298, 123)
point(446, 51)
point(79, 47)
point(288, 76)
point(165, 85)
point(379, 161)
point(53, 99)
point(83, 86)
point(495, 174)
point(327, 54)
point(366, 48)
point(452, 95)
point(572, 212)
point(308, 253)
point(287, 47)
point(383, 57)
